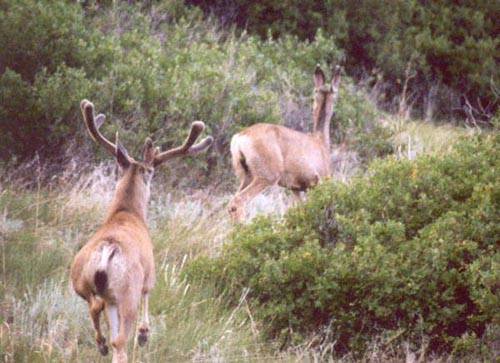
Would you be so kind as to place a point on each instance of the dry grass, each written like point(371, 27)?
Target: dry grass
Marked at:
point(413, 138)
point(43, 320)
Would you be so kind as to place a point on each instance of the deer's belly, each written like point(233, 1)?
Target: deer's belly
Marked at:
point(303, 171)
point(302, 179)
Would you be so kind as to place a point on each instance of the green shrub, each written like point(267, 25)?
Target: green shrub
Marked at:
point(410, 251)
point(47, 53)
point(41, 34)
point(18, 108)
point(152, 72)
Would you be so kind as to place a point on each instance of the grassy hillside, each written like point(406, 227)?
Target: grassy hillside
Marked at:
point(152, 69)
point(43, 320)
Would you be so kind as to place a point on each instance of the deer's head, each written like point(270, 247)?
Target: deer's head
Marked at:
point(137, 174)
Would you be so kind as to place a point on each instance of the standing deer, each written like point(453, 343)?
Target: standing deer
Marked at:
point(115, 269)
point(264, 154)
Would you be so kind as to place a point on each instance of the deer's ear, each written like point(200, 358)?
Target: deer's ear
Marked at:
point(319, 77)
point(336, 77)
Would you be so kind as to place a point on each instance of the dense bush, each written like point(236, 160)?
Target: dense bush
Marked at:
point(47, 55)
point(450, 45)
point(409, 252)
point(151, 72)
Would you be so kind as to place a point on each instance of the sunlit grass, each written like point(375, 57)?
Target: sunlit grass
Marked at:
point(413, 138)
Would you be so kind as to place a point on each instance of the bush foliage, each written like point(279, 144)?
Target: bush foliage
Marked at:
point(451, 46)
point(152, 71)
point(409, 252)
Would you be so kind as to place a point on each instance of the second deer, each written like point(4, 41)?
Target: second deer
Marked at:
point(264, 155)
point(115, 270)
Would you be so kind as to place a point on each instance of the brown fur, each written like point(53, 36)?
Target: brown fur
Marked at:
point(119, 256)
point(264, 154)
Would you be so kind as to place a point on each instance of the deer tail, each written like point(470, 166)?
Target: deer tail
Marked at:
point(108, 250)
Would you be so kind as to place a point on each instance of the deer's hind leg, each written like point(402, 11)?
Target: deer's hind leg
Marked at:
point(237, 204)
point(243, 173)
point(260, 168)
point(96, 306)
point(126, 311)
point(241, 170)
point(245, 180)
point(142, 338)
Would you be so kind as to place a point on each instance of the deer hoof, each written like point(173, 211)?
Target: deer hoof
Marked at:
point(103, 349)
point(142, 338)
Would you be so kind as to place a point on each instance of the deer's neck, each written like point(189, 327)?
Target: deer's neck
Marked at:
point(321, 131)
point(323, 135)
point(131, 196)
point(321, 126)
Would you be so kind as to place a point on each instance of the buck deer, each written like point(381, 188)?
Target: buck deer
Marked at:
point(115, 269)
point(264, 154)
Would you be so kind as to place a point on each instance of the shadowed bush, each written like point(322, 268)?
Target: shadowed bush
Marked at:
point(449, 47)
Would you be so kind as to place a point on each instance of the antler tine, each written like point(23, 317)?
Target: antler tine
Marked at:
point(93, 128)
point(187, 148)
point(202, 145)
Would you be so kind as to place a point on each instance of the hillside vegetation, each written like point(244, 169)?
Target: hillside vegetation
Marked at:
point(409, 250)
point(152, 73)
point(441, 57)
point(389, 266)
point(393, 259)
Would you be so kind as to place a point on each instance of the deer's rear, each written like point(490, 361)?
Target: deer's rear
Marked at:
point(264, 154)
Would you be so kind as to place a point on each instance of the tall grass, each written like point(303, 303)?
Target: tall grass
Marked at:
point(412, 138)
point(43, 320)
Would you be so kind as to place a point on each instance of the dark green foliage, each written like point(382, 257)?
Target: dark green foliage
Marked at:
point(46, 54)
point(152, 70)
point(450, 45)
point(411, 250)
point(372, 141)
point(38, 35)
